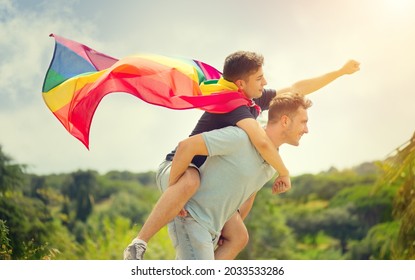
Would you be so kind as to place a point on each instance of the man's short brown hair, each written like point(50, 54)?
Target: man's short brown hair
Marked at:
point(239, 65)
point(286, 104)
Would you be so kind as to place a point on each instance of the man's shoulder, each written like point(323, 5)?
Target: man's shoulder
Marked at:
point(229, 134)
point(229, 130)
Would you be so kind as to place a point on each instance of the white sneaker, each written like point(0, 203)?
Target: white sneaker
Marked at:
point(136, 250)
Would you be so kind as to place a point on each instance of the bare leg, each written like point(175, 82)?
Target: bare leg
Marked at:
point(170, 203)
point(234, 233)
point(235, 238)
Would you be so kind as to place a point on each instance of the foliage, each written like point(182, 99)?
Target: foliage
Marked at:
point(379, 243)
point(346, 214)
point(5, 248)
point(270, 238)
point(326, 185)
point(11, 175)
point(399, 170)
point(79, 190)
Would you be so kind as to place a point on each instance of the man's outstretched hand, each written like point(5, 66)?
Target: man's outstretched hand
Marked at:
point(350, 67)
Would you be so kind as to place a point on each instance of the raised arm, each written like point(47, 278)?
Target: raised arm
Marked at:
point(266, 148)
point(185, 152)
point(308, 86)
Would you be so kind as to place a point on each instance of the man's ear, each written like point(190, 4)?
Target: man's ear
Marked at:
point(285, 120)
point(240, 84)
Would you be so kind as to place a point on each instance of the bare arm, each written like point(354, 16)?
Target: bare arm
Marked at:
point(263, 144)
point(308, 86)
point(195, 145)
point(185, 152)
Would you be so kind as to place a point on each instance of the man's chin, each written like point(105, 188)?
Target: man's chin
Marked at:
point(294, 144)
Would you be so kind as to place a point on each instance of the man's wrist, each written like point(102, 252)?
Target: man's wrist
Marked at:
point(284, 173)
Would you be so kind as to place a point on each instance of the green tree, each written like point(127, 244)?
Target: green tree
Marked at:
point(5, 248)
point(270, 237)
point(325, 185)
point(11, 175)
point(399, 170)
point(305, 221)
point(338, 222)
point(342, 224)
point(379, 243)
point(80, 189)
point(26, 219)
point(370, 207)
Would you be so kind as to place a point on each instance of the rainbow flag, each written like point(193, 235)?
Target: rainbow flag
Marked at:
point(79, 77)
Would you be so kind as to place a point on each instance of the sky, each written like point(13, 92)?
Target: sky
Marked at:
point(357, 118)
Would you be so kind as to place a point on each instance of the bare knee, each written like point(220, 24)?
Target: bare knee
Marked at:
point(243, 239)
point(237, 239)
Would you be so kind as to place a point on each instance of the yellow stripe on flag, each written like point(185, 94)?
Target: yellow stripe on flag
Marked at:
point(181, 66)
point(62, 94)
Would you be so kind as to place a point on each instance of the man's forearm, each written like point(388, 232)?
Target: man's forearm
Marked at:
point(185, 152)
point(179, 165)
point(263, 144)
point(308, 86)
point(270, 154)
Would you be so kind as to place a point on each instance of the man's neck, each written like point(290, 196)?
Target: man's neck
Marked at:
point(272, 132)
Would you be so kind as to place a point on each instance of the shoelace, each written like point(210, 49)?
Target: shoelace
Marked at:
point(139, 250)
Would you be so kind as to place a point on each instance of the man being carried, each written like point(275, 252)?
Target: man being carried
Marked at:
point(232, 173)
point(243, 72)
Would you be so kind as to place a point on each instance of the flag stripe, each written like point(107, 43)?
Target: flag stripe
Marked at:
point(64, 94)
point(99, 60)
point(79, 77)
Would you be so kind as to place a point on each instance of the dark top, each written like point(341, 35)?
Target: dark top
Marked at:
point(210, 121)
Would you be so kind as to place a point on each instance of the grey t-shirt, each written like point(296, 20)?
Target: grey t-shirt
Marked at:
point(233, 171)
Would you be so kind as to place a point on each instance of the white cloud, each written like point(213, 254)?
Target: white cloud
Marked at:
point(357, 118)
point(26, 49)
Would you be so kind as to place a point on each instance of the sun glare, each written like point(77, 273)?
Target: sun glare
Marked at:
point(400, 6)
